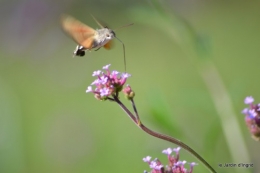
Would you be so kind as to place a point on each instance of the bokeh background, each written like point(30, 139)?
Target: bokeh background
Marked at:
point(192, 65)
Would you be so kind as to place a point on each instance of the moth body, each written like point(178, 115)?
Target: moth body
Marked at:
point(102, 37)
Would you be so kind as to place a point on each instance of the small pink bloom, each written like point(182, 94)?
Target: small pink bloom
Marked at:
point(249, 100)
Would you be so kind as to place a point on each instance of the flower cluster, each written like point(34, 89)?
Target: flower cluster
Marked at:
point(108, 83)
point(174, 165)
point(252, 117)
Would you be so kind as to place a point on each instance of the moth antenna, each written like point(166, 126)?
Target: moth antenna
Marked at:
point(99, 24)
point(123, 50)
point(130, 24)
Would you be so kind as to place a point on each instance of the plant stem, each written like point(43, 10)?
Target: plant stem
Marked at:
point(138, 122)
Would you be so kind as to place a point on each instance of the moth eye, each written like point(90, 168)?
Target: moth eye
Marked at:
point(107, 35)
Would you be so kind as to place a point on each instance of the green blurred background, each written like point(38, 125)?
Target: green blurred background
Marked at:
point(49, 124)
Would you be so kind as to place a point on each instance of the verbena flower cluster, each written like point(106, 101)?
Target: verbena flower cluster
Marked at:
point(174, 164)
point(108, 83)
point(252, 117)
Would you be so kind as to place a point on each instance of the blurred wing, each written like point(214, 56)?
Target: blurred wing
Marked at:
point(81, 33)
point(108, 45)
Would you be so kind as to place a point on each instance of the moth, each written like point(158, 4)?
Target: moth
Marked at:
point(88, 38)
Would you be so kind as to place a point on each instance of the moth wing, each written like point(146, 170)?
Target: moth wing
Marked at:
point(80, 33)
point(108, 45)
point(88, 43)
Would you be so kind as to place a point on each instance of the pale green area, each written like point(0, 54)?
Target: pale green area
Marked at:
point(48, 124)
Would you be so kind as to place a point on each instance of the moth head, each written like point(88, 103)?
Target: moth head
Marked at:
point(110, 34)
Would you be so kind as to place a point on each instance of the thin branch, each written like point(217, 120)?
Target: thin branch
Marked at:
point(135, 110)
point(126, 110)
point(138, 122)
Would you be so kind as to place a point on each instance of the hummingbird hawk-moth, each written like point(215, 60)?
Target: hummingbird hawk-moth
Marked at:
point(88, 38)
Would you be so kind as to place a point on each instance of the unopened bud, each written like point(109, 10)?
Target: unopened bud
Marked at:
point(129, 93)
